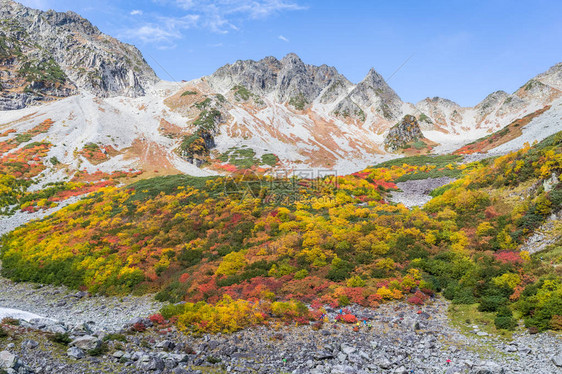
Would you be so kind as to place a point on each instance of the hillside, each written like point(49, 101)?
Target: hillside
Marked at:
point(200, 239)
point(270, 217)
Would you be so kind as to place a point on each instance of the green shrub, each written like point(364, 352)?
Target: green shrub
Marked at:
point(464, 295)
point(424, 118)
point(269, 159)
point(419, 145)
point(115, 337)
point(298, 102)
point(341, 271)
point(241, 93)
point(213, 360)
point(439, 161)
point(99, 351)
point(505, 323)
point(491, 303)
point(435, 173)
point(343, 300)
point(173, 293)
point(171, 310)
point(301, 274)
point(60, 338)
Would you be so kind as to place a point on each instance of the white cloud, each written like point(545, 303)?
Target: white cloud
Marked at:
point(164, 32)
point(281, 37)
point(218, 16)
point(252, 8)
point(221, 16)
point(152, 33)
point(136, 12)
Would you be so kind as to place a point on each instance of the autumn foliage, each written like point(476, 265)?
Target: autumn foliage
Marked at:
point(239, 260)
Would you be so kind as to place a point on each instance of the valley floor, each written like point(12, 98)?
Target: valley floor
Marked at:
point(399, 338)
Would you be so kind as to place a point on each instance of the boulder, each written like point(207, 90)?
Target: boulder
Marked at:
point(488, 368)
point(30, 344)
point(118, 354)
point(166, 345)
point(557, 359)
point(347, 349)
point(86, 342)
point(343, 369)
point(48, 325)
point(404, 132)
point(82, 330)
point(149, 363)
point(75, 353)
point(8, 360)
point(323, 355)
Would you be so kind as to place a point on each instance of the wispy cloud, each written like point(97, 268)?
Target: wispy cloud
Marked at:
point(252, 8)
point(281, 37)
point(217, 16)
point(163, 32)
point(223, 16)
point(137, 12)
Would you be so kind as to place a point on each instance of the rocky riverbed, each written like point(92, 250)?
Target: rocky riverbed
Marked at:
point(106, 314)
point(397, 338)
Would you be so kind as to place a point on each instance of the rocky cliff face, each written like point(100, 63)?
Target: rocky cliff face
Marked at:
point(404, 132)
point(298, 84)
point(552, 77)
point(372, 94)
point(28, 73)
point(286, 80)
point(48, 55)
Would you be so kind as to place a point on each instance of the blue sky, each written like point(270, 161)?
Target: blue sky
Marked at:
point(458, 49)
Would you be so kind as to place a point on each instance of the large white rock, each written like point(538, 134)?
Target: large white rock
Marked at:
point(86, 343)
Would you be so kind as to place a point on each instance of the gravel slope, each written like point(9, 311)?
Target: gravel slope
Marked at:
point(416, 192)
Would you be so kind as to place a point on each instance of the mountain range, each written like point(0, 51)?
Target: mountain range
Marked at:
point(410, 234)
point(101, 93)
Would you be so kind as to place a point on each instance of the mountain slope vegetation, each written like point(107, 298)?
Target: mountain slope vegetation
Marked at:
point(324, 241)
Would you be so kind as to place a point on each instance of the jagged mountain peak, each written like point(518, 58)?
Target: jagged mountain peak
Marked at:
point(292, 58)
point(284, 79)
point(69, 20)
point(374, 81)
point(439, 100)
point(55, 53)
point(374, 95)
point(373, 75)
point(552, 77)
point(493, 99)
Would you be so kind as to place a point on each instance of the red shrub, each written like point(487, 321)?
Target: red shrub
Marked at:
point(374, 300)
point(508, 257)
point(139, 327)
point(316, 304)
point(416, 300)
point(346, 318)
point(356, 295)
point(157, 319)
